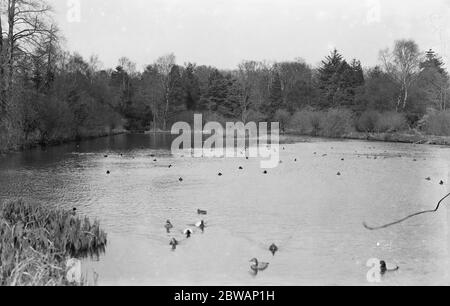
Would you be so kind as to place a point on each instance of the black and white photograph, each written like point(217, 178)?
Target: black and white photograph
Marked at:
point(229, 144)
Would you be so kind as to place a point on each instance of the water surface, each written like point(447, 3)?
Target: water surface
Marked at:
point(313, 215)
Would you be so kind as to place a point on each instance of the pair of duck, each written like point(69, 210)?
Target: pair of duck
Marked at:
point(188, 232)
point(257, 266)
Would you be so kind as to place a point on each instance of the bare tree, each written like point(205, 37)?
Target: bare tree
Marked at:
point(28, 21)
point(402, 65)
point(165, 65)
point(247, 76)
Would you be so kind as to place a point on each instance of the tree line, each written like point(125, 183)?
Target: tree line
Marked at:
point(48, 94)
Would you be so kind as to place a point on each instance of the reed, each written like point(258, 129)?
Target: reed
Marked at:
point(35, 243)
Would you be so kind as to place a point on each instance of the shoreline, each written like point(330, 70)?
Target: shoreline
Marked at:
point(57, 142)
point(292, 136)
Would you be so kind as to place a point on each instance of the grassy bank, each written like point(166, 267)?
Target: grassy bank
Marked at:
point(294, 137)
point(37, 243)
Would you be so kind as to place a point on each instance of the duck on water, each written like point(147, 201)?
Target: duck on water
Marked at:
point(168, 226)
point(202, 212)
point(273, 249)
point(257, 266)
point(174, 243)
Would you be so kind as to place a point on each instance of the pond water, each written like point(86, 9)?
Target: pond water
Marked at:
point(311, 213)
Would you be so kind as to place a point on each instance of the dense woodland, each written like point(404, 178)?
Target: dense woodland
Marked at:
point(49, 95)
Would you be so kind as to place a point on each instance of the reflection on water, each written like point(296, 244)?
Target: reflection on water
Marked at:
point(313, 215)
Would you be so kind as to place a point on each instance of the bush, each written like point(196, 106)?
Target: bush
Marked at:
point(255, 116)
point(437, 123)
point(390, 122)
point(215, 117)
point(283, 117)
point(336, 123)
point(368, 121)
point(305, 122)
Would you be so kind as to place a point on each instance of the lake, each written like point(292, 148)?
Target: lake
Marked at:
point(311, 213)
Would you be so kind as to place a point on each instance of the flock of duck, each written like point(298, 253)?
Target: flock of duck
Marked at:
point(255, 265)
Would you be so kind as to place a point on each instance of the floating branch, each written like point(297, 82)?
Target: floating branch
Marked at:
point(408, 217)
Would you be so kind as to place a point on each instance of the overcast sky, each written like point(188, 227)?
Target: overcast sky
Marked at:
point(222, 33)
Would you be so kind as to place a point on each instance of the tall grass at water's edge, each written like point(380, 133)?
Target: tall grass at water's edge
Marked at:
point(36, 242)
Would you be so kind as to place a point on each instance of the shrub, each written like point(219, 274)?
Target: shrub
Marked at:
point(283, 117)
point(306, 122)
point(367, 122)
point(390, 122)
point(215, 117)
point(437, 123)
point(255, 116)
point(336, 123)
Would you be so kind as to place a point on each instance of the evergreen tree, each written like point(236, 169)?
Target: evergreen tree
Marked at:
point(339, 81)
point(434, 81)
point(230, 106)
point(329, 78)
point(432, 61)
point(191, 87)
point(216, 93)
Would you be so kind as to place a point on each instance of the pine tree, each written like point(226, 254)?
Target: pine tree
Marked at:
point(216, 92)
point(191, 87)
point(432, 61)
point(434, 80)
point(329, 78)
point(339, 81)
point(230, 106)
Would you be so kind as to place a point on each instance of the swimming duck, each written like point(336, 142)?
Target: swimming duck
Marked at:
point(441, 183)
point(201, 225)
point(384, 268)
point(174, 243)
point(170, 166)
point(265, 172)
point(258, 266)
point(240, 168)
point(180, 179)
point(108, 172)
point(188, 232)
point(201, 212)
point(339, 174)
point(428, 179)
point(168, 226)
point(273, 249)
point(220, 174)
